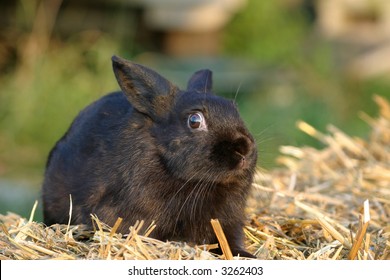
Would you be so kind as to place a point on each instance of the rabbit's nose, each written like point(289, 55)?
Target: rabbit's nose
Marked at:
point(242, 160)
point(241, 150)
point(241, 146)
point(233, 152)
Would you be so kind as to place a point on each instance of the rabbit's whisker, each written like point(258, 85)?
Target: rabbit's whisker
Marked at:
point(237, 91)
point(184, 203)
point(181, 188)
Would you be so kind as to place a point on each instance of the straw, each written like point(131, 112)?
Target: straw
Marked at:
point(222, 239)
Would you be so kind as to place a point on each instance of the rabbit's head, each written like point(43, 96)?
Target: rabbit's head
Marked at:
point(198, 136)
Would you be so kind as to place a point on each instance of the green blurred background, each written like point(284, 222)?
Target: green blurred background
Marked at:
point(284, 60)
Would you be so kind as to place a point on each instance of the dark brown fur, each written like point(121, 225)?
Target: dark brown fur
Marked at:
point(132, 154)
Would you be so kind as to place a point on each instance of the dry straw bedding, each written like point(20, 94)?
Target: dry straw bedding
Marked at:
point(329, 203)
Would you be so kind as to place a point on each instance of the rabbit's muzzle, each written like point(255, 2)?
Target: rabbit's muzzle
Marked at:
point(235, 154)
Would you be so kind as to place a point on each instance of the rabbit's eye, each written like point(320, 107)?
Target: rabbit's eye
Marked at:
point(196, 121)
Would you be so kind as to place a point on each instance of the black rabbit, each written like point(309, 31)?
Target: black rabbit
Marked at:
point(155, 153)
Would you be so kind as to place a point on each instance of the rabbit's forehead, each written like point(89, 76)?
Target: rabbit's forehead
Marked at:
point(212, 104)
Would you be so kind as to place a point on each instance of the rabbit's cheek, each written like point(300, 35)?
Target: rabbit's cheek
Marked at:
point(174, 145)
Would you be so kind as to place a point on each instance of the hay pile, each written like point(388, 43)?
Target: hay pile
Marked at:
point(332, 203)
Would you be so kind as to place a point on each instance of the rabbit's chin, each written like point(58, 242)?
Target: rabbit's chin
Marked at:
point(233, 176)
point(213, 176)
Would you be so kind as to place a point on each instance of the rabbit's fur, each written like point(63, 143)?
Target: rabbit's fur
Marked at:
point(138, 154)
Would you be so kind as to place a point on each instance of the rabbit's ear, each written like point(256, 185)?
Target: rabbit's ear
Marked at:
point(201, 81)
point(147, 91)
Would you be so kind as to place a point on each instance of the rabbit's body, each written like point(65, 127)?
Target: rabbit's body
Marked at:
point(155, 153)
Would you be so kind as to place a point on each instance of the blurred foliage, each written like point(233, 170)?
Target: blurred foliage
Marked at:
point(268, 31)
point(38, 104)
point(51, 80)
